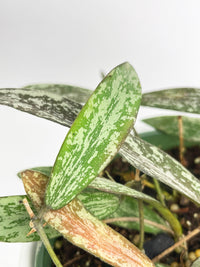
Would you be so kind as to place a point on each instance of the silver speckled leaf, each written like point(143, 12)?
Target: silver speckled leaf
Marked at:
point(99, 204)
point(158, 164)
point(95, 135)
point(119, 189)
point(14, 221)
point(181, 99)
point(169, 125)
point(75, 93)
point(44, 104)
point(111, 187)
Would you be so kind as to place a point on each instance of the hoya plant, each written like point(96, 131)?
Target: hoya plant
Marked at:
point(76, 197)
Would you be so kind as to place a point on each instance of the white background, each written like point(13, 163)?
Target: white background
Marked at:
point(72, 42)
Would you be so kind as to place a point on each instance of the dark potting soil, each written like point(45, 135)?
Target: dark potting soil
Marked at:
point(187, 213)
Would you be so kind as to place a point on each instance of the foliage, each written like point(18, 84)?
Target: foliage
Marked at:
point(70, 196)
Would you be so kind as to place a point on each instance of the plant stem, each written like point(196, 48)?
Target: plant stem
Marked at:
point(44, 238)
point(141, 210)
point(141, 216)
point(159, 191)
point(181, 141)
point(170, 218)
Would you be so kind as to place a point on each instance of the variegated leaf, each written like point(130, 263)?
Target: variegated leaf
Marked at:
point(129, 208)
point(106, 185)
point(14, 222)
point(95, 135)
point(106, 205)
point(99, 204)
point(119, 189)
point(14, 219)
point(44, 104)
point(75, 93)
point(169, 125)
point(82, 229)
point(181, 99)
point(158, 164)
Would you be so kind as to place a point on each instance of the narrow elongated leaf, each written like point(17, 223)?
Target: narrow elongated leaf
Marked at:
point(106, 185)
point(106, 205)
point(116, 188)
point(158, 164)
point(44, 104)
point(129, 208)
point(163, 141)
point(169, 125)
point(95, 136)
point(82, 229)
point(75, 93)
point(101, 184)
point(14, 221)
point(181, 99)
point(99, 204)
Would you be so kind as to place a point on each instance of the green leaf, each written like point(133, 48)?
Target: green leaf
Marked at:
point(105, 205)
point(111, 187)
point(169, 125)
point(158, 164)
point(42, 257)
point(95, 135)
point(42, 103)
point(75, 93)
point(106, 185)
point(129, 208)
point(99, 204)
point(81, 228)
point(14, 221)
point(181, 99)
point(163, 141)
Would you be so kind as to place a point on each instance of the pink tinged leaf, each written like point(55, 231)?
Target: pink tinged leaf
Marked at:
point(82, 229)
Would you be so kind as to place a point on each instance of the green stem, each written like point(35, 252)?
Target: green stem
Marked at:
point(159, 191)
point(141, 216)
point(44, 238)
point(170, 218)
